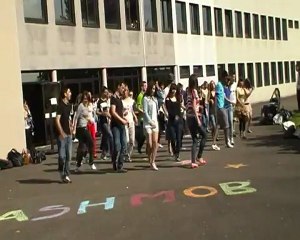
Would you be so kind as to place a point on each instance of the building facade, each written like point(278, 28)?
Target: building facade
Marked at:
point(88, 43)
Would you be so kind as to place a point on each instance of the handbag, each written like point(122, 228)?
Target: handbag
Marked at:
point(16, 158)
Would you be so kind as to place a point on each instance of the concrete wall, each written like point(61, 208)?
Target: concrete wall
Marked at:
point(12, 114)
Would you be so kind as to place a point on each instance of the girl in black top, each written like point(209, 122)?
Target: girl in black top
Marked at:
point(172, 106)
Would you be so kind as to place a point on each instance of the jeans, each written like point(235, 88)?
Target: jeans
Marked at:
point(230, 120)
point(120, 146)
point(175, 132)
point(64, 155)
point(107, 142)
point(85, 140)
point(195, 131)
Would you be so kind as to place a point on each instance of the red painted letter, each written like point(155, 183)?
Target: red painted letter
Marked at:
point(136, 200)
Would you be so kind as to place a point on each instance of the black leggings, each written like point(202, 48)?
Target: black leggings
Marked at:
point(243, 121)
point(85, 140)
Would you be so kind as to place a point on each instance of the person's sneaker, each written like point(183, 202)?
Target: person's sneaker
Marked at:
point(154, 167)
point(160, 146)
point(68, 179)
point(229, 145)
point(75, 140)
point(249, 131)
point(232, 141)
point(93, 167)
point(215, 147)
point(122, 170)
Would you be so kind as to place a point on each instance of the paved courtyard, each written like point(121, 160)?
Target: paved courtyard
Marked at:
point(249, 192)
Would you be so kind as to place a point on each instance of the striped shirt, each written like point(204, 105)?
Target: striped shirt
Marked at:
point(191, 96)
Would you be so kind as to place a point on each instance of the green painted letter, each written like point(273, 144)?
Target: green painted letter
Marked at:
point(236, 188)
point(19, 215)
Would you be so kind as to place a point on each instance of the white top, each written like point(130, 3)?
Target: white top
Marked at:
point(91, 109)
point(232, 89)
point(128, 104)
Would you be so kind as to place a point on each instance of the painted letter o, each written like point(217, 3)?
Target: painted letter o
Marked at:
point(189, 192)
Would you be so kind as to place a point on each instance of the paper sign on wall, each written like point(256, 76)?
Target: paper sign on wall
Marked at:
point(53, 101)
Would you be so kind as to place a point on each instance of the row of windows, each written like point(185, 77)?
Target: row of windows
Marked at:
point(263, 27)
point(259, 74)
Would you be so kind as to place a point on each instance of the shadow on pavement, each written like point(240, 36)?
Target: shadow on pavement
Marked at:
point(38, 181)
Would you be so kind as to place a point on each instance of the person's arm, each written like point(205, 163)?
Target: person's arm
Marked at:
point(238, 98)
point(195, 99)
point(165, 108)
point(61, 132)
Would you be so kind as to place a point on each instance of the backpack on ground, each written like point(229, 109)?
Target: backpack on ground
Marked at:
point(15, 157)
point(5, 164)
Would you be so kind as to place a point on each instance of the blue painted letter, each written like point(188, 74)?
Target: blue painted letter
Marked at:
point(109, 204)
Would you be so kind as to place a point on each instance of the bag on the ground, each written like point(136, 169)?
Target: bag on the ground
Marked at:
point(15, 157)
point(38, 157)
point(289, 129)
point(5, 164)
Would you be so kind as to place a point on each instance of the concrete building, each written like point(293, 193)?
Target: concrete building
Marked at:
point(88, 43)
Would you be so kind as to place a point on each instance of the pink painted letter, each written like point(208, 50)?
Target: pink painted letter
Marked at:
point(136, 200)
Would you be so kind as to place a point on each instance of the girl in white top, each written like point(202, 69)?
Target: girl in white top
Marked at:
point(131, 118)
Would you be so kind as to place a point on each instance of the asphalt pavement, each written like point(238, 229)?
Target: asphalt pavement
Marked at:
point(248, 192)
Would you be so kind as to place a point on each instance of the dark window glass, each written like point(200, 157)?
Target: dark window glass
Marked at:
point(271, 28)
point(210, 70)
point(221, 69)
point(64, 12)
point(112, 14)
point(184, 71)
point(166, 16)
point(264, 31)
point(35, 11)
point(228, 23)
point(207, 27)
point(296, 25)
point(198, 70)
point(35, 76)
point(89, 13)
point(280, 72)
point(181, 17)
point(259, 82)
point(132, 14)
point(150, 15)
point(247, 25)
point(293, 71)
point(278, 29)
point(238, 24)
point(231, 68)
point(250, 73)
point(159, 73)
point(218, 21)
point(267, 74)
point(284, 30)
point(241, 68)
point(273, 73)
point(195, 19)
point(291, 24)
point(256, 26)
point(287, 72)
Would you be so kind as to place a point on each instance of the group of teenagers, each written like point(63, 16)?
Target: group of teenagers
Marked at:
point(123, 121)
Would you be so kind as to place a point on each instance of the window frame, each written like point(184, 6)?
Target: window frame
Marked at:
point(267, 80)
point(228, 23)
point(208, 70)
point(296, 24)
point(44, 19)
point(208, 31)
point(256, 26)
point(242, 74)
point(169, 16)
point(284, 26)
point(182, 17)
point(274, 73)
point(238, 24)
point(199, 70)
point(287, 75)
point(194, 19)
point(271, 28)
point(96, 9)
point(72, 21)
point(278, 28)
point(117, 25)
point(154, 28)
point(280, 73)
point(258, 74)
point(184, 71)
point(264, 27)
point(248, 27)
point(291, 23)
point(219, 31)
point(293, 71)
point(250, 73)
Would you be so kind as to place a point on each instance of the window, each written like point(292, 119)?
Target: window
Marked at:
point(291, 24)
point(184, 71)
point(241, 68)
point(228, 23)
point(181, 17)
point(271, 28)
point(287, 72)
point(284, 29)
point(150, 15)
point(267, 74)
point(256, 26)
point(207, 28)
point(218, 22)
point(89, 13)
point(194, 17)
point(238, 24)
point(264, 31)
point(112, 14)
point(221, 69)
point(296, 25)
point(231, 68)
point(293, 71)
point(198, 70)
point(64, 12)
point(132, 15)
point(273, 73)
point(259, 82)
point(35, 11)
point(278, 29)
point(280, 72)
point(210, 70)
point(250, 73)
point(166, 16)
point(247, 25)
